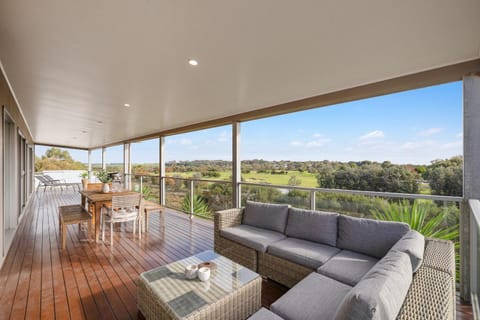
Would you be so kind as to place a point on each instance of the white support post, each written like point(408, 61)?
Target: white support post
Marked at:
point(161, 158)
point(104, 158)
point(127, 166)
point(236, 166)
point(192, 195)
point(90, 173)
point(471, 175)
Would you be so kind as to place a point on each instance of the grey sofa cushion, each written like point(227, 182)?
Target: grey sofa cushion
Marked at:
point(413, 244)
point(252, 237)
point(306, 253)
point(266, 215)
point(348, 267)
point(316, 297)
point(310, 225)
point(381, 292)
point(368, 236)
point(264, 314)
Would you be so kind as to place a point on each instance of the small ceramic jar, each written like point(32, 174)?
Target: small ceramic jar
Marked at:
point(203, 274)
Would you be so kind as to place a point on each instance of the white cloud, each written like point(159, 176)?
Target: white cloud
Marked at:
point(452, 145)
point(429, 132)
point(376, 134)
point(185, 141)
point(222, 137)
point(414, 145)
point(459, 135)
point(319, 141)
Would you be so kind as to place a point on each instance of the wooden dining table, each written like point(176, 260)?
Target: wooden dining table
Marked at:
point(97, 200)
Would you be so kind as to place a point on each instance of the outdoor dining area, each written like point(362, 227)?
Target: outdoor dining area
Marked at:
point(98, 209)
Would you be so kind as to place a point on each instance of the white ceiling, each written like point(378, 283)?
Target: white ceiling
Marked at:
point(72, 63)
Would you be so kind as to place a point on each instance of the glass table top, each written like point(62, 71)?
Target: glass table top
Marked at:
point(184, 296)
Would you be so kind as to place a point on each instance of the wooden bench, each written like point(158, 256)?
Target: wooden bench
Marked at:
point(150, 206)
point(73, 214)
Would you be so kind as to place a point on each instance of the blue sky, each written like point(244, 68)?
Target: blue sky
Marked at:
point(415, 126)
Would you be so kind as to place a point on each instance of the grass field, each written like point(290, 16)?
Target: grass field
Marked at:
point(307, 179)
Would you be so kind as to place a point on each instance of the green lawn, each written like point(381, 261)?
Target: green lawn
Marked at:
point(307, 179)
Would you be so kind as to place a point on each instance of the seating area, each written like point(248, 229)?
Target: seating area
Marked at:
point(338, 266)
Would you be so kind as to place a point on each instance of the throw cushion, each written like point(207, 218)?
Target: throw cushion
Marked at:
point(315, 226)
point(368, 236)
point(348, 267)
point(316, 297)
point(266, 215)
point(306, 253)
point(413, 244)
point(381, 292)
point(252, 237)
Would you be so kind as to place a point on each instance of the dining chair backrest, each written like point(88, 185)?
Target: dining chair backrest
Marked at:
point(94, 186)
point(127, 202)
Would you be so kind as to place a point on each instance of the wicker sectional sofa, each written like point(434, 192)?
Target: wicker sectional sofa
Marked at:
point(340, 267)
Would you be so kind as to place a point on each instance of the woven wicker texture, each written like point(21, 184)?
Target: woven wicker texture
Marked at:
point(432, 292)
point(283, 271)
point(245, 256)
point(241, 254)
point(440, 255)
point(232, 292)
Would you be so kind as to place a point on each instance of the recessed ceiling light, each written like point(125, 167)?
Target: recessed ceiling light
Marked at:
point(192, 62)
point(84, 131)
point(126, 105)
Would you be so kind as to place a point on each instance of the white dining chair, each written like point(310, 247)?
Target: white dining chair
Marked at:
point(124, 209)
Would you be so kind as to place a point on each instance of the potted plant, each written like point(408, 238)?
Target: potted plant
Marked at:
point(104, 178)
point(84, 176)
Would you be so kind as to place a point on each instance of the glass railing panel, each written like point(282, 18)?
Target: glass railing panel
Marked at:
point(211, 197)
point(176, 193)
point(278, 195)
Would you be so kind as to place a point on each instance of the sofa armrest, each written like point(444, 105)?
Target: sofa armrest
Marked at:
point(228, 218)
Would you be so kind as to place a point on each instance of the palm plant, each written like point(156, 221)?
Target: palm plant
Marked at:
point(200, 205)
point(416, 215)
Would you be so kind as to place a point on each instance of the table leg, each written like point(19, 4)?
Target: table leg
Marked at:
point(97, 214)
point(146, 220)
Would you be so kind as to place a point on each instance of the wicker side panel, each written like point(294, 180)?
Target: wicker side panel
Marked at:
point(225, 219)
point(283, 271)
point(430, 297)
point(150, 306)
point(238, 305)
point(440, 255)
point(245, 256)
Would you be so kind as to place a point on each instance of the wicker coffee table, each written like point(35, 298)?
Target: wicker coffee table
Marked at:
point(232, 292)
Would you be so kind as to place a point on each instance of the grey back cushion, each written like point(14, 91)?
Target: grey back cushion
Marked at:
point(314, 226)
point(266, 215)
point(368, 236)
point(381, 292)
point(413, 244)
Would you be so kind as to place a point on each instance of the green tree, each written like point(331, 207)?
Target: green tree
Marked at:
point(371, 176)
point(57, 159)
point(446, 176)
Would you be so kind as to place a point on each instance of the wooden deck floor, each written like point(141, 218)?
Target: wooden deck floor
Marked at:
point(95, 281)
